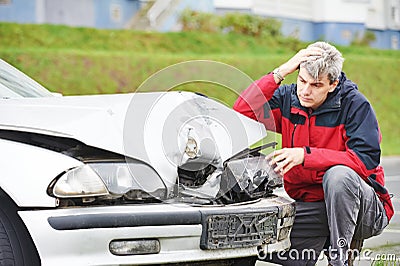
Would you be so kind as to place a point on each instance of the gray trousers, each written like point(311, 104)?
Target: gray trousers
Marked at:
point(351, 210)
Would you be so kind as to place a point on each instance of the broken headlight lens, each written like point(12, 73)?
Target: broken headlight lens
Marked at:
point(248, 178)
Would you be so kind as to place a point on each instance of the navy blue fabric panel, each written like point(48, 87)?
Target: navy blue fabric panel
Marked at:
point(362, 127)
point(330, 119)
point(282, 99)
point(297, 119)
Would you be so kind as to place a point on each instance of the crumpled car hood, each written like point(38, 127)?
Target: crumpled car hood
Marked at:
point(162, 129)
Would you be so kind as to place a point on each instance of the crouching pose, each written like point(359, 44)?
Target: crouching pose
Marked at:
point(330, 155)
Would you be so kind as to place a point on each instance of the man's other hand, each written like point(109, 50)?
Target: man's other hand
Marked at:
point(285, 159)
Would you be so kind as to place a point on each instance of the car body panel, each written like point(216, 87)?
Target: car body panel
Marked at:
point(99, 120)
point(27, 170)
point(94, 120)
point(102, 121)
point(179, 242)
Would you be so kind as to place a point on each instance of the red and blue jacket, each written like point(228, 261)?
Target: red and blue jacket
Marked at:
point(342, 131)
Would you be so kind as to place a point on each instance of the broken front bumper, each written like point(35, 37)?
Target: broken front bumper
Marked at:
point(177, 232)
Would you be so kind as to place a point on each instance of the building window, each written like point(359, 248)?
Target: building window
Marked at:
point(395, 14)
point(394, 42)
point(116, 13)
point(346, 34)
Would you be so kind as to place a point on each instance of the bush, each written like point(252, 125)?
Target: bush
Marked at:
point(250, 25)
point(239, 23)
point(199, 21)
point(365, 40)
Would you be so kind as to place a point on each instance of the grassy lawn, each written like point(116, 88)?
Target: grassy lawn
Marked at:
point(89, 61)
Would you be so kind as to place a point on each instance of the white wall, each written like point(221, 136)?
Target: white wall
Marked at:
point(342, 11)
point(233, 4)
point(296, 9)
point(375, 14)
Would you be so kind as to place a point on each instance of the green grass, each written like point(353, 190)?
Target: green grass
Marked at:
point(90, 61)
point(385, 255)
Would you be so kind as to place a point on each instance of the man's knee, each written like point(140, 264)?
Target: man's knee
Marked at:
point(340, 178)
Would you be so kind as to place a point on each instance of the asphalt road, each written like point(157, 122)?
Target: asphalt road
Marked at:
point(384, 248)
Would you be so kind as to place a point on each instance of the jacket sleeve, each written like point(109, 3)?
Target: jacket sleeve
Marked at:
point(254, 102)
point(362, 152)
point(362, 142)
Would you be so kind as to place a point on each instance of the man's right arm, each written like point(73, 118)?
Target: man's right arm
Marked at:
point(251, 101)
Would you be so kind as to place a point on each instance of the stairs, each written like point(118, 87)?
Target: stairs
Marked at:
point(153, 14)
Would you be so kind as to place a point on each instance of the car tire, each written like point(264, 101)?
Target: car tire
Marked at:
point(16, 244)
point(248, 261)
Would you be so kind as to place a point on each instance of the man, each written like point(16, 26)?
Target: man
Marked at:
point(330, 154)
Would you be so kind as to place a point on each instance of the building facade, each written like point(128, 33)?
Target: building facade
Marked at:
point(338, 21)
point(111, 14)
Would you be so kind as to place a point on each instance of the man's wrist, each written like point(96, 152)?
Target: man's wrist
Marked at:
point(278, 76)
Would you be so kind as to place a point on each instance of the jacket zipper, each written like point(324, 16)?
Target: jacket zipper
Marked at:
point(295, 126)
point(294, 129)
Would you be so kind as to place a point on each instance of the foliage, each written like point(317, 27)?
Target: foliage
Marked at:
point(365, 40)
point(239, 23)
point(250, 25)
point(199, 21)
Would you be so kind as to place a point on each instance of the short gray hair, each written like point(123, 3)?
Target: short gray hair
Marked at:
point(330, 63)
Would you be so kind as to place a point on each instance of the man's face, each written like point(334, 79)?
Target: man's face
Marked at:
point(312, 93)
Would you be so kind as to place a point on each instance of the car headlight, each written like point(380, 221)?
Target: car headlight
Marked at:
point(131, 178)
point(81, 181)
point(122, 177)
point(248, 178)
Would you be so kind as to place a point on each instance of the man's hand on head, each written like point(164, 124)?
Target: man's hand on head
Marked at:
point(301, 56)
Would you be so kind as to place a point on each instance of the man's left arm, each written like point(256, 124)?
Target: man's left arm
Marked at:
point(362, 152)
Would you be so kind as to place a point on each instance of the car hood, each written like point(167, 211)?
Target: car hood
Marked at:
point(163, 129)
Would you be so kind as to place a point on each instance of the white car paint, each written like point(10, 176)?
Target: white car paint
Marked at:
point(151, 127)
point(179, 243)
point(26, 172)
point(100, 121)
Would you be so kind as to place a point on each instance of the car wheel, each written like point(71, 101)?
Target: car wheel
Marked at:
point(16, 245)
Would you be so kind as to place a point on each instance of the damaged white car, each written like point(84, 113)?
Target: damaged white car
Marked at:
point(132, 179)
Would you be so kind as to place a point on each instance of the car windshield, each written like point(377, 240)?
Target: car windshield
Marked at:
point(15, 84)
